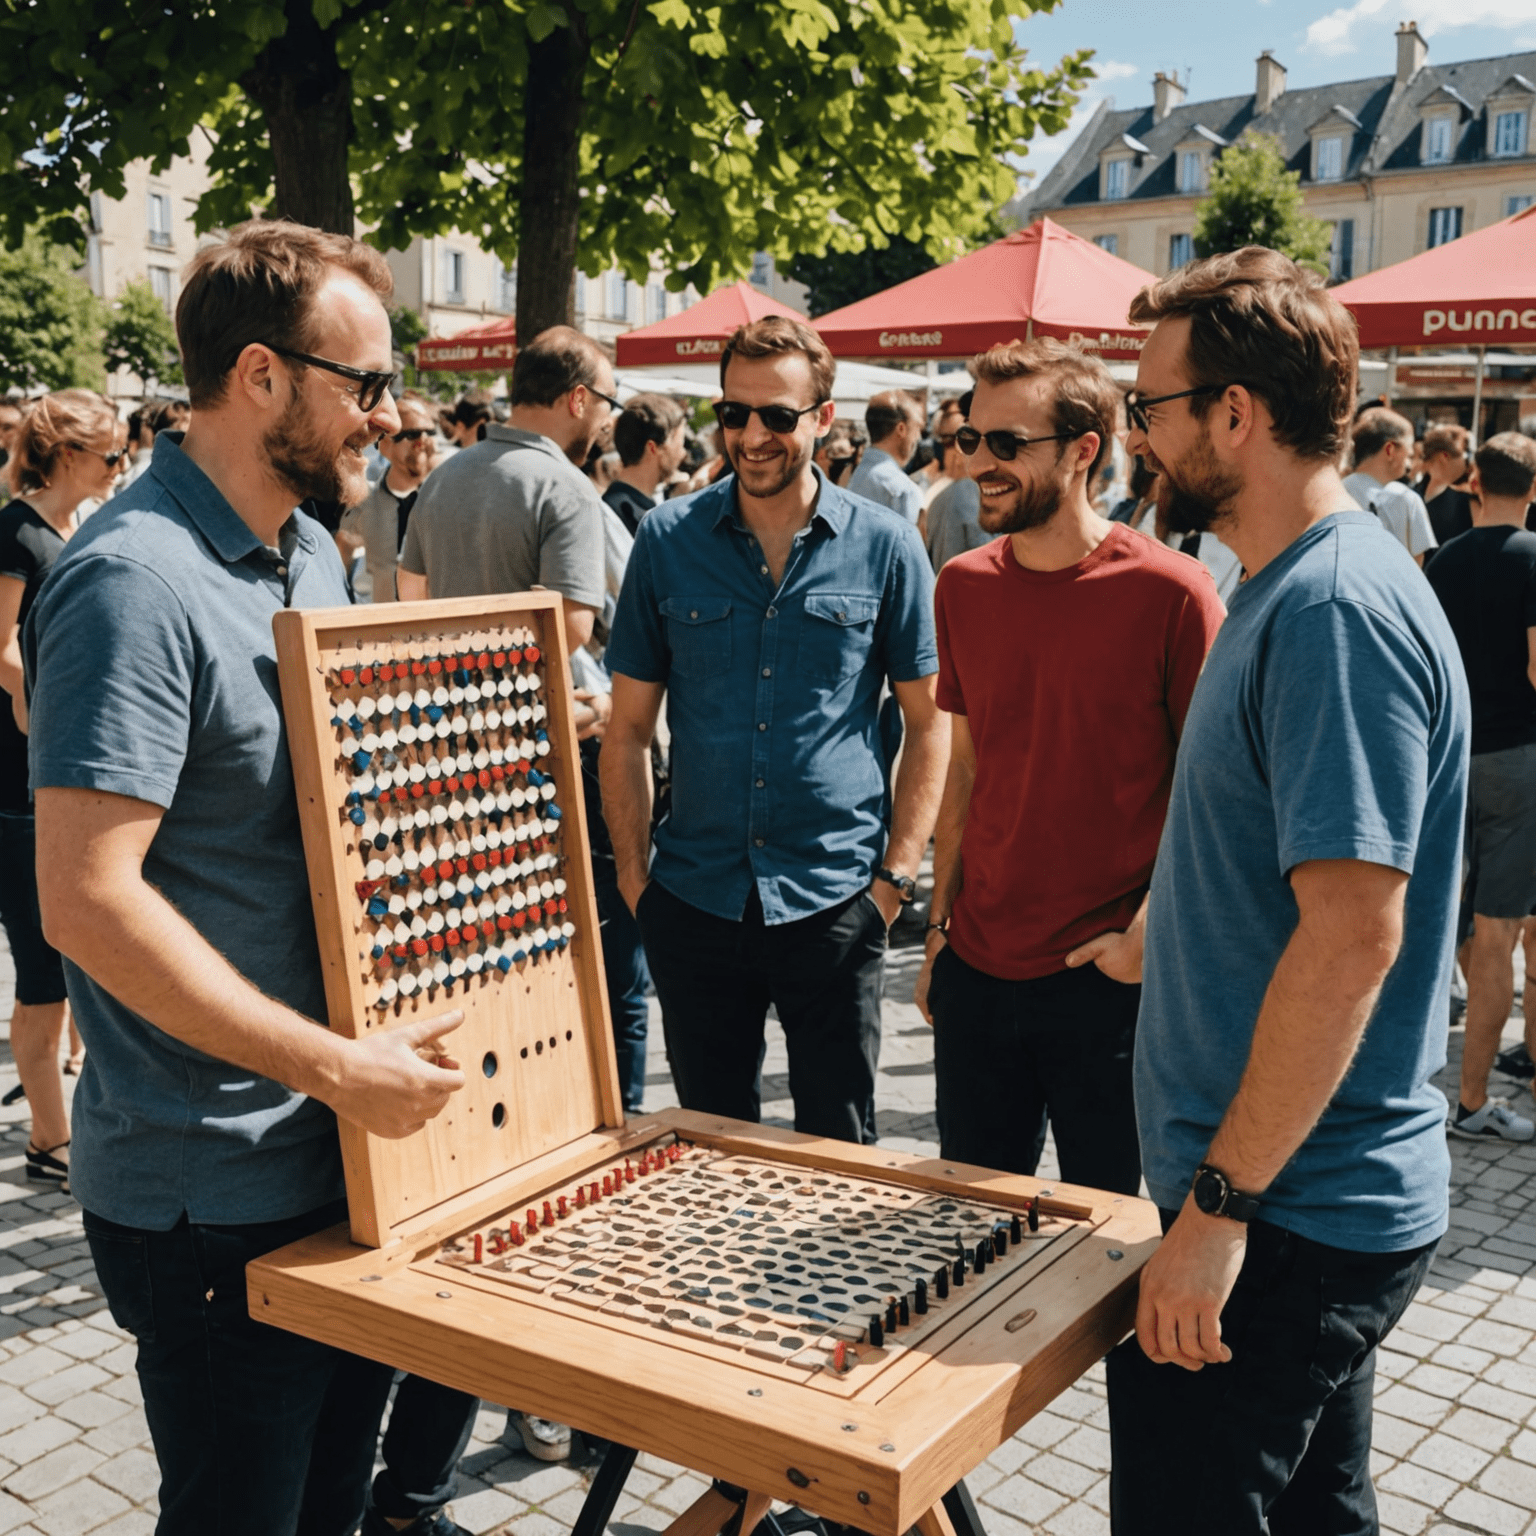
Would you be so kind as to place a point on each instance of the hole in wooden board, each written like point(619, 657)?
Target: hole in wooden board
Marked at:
point(567, 1034)
point(552, 1042)
point(488, 1066)
point(524, 1053)
point(498, 1115)
point(538, 1047)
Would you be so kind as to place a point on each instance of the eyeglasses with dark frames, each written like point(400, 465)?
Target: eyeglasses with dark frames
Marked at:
point(1137, 405)
point(616, 405)
point(371, 383)
point(111, 460)
point(780, 419)
point(411, 434)
point(1004, 445)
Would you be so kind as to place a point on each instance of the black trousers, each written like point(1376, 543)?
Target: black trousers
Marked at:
point(1276, 1442)
point(429, 1426)
point(1008, 1056)
point(258, 1432)
point(716, 978)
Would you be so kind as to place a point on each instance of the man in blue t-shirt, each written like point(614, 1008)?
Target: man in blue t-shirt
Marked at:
point(1299, 935)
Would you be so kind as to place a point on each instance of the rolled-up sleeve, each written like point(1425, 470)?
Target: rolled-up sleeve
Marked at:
point(906, 614)
point(638, 645)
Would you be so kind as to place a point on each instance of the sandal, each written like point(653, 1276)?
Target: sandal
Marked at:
point(47, 1167)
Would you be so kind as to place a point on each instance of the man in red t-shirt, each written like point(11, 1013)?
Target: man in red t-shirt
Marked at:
point(1068, 652)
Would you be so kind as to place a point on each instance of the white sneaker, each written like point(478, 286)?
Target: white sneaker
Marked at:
point(1495, 1119)
point(542, 1438)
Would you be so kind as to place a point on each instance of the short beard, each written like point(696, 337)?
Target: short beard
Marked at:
point(309, 467)
point(1037, 504)
point(1198, 495)
point(794, 467)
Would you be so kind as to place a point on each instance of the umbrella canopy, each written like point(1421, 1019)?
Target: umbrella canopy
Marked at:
point(481, 349)
point(1040, 281)
point(701, 331)
point(1478, 290)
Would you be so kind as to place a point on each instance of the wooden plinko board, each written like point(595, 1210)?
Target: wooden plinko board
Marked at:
point(440, 796)
point(873, 1439)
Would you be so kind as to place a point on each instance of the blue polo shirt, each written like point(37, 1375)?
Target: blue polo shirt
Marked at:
point(880, 478)
point(1331, 722)
point(154, 675)
point(773, 693)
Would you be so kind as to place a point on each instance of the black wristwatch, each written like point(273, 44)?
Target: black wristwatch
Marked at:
point(1215, 1195)
point(903, 883)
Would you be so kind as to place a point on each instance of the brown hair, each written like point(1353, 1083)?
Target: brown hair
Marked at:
point(259, 284)
point(551, 365)
point(1506, 465)
point(1084, 398)
point(775, 334)
point(1259, 320)
point(1377, 427)
point(67, 418)
point(645, 419)
point(1446, 438)
point(887, 410)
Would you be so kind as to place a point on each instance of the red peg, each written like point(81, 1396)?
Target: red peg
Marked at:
point(366, 675)
point(563, 1206)
point(629, 1172)
point(498, 1246)
point(594, 1194)
point(517, 1235)
point(607, 1183)
point(530, 653)
point(549, 1214)
point(533, 1220)
point(581, 1196)
point(479, 1250)
point(348, 676)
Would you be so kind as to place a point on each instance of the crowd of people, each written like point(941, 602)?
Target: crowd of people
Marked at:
point(1202, 756)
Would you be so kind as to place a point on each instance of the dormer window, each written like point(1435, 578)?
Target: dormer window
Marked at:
point(1117, 179)
point(1191, 170)
point(1330, 159)
point(1510, 131)
point(1439, 139)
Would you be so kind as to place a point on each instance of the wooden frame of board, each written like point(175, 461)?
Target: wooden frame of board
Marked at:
point(882, 1451)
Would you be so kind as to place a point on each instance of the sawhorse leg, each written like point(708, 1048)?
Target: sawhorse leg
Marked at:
point(597, 1511)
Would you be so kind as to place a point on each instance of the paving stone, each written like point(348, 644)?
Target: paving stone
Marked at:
point(536, 1524)
point(1451, 1457)
point(1488, 1514)
point(1088, 1446)
point(1416, 1482)
point(135, 1474)
point(1513, 1376)
point(1395, 1436)
point(1498, 1338)
point(1509, 1479)
point(1487, 1398)
point(1031, 1502)
point(535, 1481)
point(137, 1522)
point(91, 1410)
point(80, 1507)
point(1078, 1520)
point(1417, 1407)
point(41, 1477)
point(1438, 1381)
point(1479, 1429)
point(1066, 1477)
point(486, 1509)
point(36, 1439)
point(1524, 1446)
point(55, 1389)
point(1402, 1516)
point(13, 1512)
point(121, 1434)
point(677, 1495)
point(16, 1409)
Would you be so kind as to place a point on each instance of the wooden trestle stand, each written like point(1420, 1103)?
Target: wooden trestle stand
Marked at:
point(451, 1271)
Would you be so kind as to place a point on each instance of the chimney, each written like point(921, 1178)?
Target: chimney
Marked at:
point(1270, 85)
point(1412, 50)
point(1167, 94)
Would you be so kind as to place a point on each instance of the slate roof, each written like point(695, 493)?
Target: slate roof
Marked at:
point(1386, 139)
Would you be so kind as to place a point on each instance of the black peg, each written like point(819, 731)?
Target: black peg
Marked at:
point(941, 1282)
point(1016, 1230)
point(903, 1312)
point(890, 1317)
point(959, 1270)
point(981, 1257)
point(1034, 1214)
point(959, 1245)
point(876, 1332)
point(920, 1297)
point(1000, 1240)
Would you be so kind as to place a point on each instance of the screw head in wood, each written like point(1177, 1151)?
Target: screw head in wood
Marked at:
point(1114, 1253)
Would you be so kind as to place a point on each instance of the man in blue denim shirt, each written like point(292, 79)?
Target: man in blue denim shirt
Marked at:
point(770, 609)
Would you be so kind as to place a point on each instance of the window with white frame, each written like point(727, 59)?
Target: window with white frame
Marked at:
point(160, 286)
point(1341, 261)
point(1117, 179)
point(1509, 132)
point(453, 277)
point(581, 293)
point(506, 287)
point(1110, 243)
point(655, 302)
point(1330, 158)
point(1444, 225)
point(1191, 170)
point(1516, 202)
point(1439, 134)
point(618, 296)
point(159, 211)
point(1181, 250)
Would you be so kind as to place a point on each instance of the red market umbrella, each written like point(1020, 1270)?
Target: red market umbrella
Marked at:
point(1040, 281)
point(481, 349)
point(701, 332)
point(1476, 290)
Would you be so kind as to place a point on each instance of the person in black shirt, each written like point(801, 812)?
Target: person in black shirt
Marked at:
point(649, 436)
point(64, 452)
point(1446, 453)
point(1486, 582)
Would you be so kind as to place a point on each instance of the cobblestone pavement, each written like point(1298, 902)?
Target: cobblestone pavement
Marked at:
point(1456, 1406)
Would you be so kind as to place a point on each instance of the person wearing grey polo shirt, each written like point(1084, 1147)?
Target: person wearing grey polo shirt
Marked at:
point(172, 878)
point(895, 422)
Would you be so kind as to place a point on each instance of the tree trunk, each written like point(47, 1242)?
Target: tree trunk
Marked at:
point(306, 97)
point(550, 210)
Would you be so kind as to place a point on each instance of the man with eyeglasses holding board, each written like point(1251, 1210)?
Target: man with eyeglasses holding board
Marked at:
point(1068, 652)
point(381, 518)
point(769, 609)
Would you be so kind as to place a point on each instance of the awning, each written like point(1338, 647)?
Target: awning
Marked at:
point(699, 332)
point(481, 349)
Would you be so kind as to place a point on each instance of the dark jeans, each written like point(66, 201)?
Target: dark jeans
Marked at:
point(429, 1426)
point(822, 974)
point(39, 968)
point(256, 1430)
point(1277, 1442)
point(1008, 1055)
point(629, 981)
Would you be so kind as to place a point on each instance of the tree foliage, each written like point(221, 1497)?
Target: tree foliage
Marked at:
point(50, 321)
point(140, 337)
point(1254, 200)
point(704, 130)
point(845, 277)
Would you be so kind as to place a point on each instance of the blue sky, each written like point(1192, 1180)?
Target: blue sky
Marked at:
point(1215, 42)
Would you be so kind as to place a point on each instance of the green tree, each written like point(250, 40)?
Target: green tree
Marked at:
point(845, 277)
point(1254, 200)
point(50, 321)
point(406, 328)
point(140, 337)
point(692, 131)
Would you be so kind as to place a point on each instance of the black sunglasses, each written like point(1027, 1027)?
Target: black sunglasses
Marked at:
point(411, 435)
point(111, 460)
point(733, 415)
point(1003, 445)
point(1137, 406)
point(371, 384)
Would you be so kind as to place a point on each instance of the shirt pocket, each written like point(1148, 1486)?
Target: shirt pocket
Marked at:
point(699, 634)
point(836, 635)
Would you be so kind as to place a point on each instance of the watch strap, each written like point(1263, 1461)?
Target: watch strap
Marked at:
point(903, 883)
point(1236, 1205)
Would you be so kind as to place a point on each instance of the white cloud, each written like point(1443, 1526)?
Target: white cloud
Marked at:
point(1108, 69)
point(1336, 32)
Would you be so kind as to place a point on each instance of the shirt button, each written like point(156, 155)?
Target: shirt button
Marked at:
point(763, 569)
point(767, 671)
point(282, 570)
point(760, 783)
point(762, 725)
point(773, 613)
point(758, 841)
point(841, 616)
point(693, 613)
